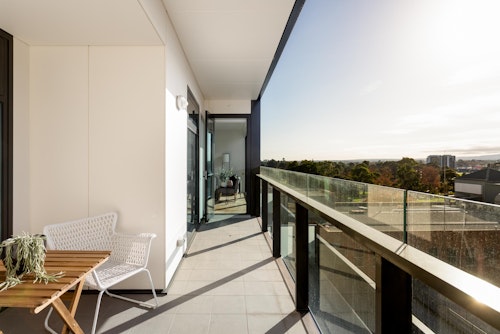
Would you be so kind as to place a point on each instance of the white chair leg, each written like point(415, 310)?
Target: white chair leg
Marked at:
point(152, 288)
point(155, 305)
point(96, 314)
point(46, 323)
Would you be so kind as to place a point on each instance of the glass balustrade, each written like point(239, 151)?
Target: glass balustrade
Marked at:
point(342, 271)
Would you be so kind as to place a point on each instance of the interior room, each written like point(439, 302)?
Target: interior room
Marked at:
point(229, 161)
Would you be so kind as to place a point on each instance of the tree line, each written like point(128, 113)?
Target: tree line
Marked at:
point(406, 173)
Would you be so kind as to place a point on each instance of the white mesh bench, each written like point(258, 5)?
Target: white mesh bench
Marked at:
point(129, 254)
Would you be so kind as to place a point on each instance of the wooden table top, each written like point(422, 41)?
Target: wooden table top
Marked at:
point(37, 296)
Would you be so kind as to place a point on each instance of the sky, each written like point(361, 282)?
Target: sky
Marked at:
point(386, 79)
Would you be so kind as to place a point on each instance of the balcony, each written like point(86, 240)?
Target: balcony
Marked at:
point(372, 259)
point(349, 258)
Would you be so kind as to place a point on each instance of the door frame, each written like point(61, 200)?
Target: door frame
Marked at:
point(6, 99)
point(193, 127)
point(207, 176)
point(246, 154)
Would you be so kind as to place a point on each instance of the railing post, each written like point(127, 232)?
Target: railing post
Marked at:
point(405, 216)
point(264, 198)
point(302, 258)
point(276, 223)
point(393, 298)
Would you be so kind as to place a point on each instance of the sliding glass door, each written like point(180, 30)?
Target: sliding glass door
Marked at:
point(193, 174)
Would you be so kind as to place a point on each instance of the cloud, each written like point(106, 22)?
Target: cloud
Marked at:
point(371, 87)
point(483, 150)
point(478, 113)
point(475, 73)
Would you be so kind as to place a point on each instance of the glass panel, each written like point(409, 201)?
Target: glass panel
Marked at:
point(434, 312)
point(288, 250)
point(377, 206)
point(191, 185)
point(341, 280)
point(463, 233)
point(210, 181)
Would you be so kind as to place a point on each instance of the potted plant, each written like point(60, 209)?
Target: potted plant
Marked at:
point(24, 255)
point(224, 175)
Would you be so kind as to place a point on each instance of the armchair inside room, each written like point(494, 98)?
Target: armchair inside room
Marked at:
point(232, 189)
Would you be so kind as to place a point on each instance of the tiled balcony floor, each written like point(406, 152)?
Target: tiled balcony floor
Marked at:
point(228, 283)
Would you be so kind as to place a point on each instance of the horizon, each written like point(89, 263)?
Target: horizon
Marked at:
point(388, 78)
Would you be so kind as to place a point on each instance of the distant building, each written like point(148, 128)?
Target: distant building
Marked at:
point(494, 165)
point(442, 160)
point(483, 186)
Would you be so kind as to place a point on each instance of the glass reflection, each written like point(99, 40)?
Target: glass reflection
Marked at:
point(341, 279)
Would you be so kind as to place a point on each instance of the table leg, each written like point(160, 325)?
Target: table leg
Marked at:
point(66, 316)
point(74, 302)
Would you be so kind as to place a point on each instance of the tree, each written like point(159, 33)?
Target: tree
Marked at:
point(361, 173)
point(430, 178)
point(385, 177)
point(307, 166)
point(293, 165)
point(283, 164)
point(408, 174)
point(448, 180)
point(272, 163)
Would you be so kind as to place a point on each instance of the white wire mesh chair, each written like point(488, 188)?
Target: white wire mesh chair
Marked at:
point(129, 254)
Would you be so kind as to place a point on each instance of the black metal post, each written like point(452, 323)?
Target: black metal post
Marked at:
point(276, 223)
point(393, 298)
point(253, 159)
point(6, 133)
point(264, 214)
point(302, 258)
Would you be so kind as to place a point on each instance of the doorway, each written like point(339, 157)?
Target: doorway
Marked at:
point(226, 165)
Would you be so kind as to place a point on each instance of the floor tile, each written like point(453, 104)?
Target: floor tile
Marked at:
point(189, 324)
point(229, 304)
point(228, 324)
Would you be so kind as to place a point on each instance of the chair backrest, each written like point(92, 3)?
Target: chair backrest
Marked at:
point(91, 233)
point(236, 181)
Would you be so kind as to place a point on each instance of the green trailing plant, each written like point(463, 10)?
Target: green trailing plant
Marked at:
point(25, 255)
point(224, 174)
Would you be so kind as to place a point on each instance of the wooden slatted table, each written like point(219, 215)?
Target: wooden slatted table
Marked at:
point(76, 265)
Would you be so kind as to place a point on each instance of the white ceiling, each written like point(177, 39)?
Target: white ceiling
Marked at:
point(229, 44)
point(77, 22)
point(231, 124)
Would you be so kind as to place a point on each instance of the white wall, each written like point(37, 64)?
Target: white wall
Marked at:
point(96, 139)
point(97, 129)
point(21, 139)
point(126, 149)
point(58, 134)
point(476, 189)
point(178, 77)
